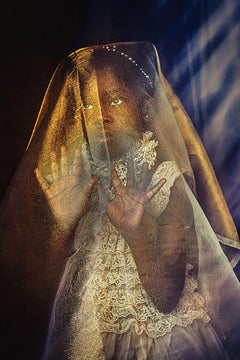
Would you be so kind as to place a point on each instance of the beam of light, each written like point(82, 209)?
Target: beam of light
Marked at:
point(205, 35)
point(206, 76)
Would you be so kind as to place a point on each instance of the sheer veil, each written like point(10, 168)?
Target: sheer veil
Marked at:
point(43, 279)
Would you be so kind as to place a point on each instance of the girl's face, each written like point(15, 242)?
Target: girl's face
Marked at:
point(111, 114)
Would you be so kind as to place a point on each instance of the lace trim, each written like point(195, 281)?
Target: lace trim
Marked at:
point(114, 298)
point(120, 301)
point(143, 151)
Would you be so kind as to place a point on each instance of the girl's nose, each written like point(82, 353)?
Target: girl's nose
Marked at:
point(107, 119)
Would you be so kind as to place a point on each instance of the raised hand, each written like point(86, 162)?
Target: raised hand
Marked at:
point(126, 210)
point(66, 195)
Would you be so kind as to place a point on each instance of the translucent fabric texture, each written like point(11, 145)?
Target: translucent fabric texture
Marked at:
point(114, 226)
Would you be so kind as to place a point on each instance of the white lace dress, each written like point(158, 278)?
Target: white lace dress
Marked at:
point(117, 319)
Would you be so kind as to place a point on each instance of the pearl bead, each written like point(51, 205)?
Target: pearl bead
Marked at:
point(130, 59)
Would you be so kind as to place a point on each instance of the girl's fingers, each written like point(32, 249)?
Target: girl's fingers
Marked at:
point(92, 182)
point(64, 161)
point(155, 189)
point(77, 163)
point(130, 173)
point(54, 166)
point(44, 185)
point(143, 177)
point(115, 179)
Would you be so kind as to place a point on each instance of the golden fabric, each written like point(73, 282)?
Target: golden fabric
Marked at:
point(115, 206)
point(209, 192)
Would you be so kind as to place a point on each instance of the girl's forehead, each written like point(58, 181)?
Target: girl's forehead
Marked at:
point(104, 81)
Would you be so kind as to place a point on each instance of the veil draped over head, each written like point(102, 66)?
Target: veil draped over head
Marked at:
point(50, 268)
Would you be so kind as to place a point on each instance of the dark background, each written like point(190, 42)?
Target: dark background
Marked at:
point(198, 43)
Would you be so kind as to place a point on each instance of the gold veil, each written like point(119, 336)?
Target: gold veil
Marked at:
point(43, 267)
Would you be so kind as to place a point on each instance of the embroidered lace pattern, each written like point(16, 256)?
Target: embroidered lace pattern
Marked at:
point(114, 297)
point(143, 151)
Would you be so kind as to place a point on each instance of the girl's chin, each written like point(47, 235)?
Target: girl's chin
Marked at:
point(111, 148)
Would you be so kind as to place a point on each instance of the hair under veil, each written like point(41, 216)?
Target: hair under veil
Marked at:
point(76, 283)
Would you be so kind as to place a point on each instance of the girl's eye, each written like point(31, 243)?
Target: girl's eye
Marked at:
point(116, 102)
point(87, 107)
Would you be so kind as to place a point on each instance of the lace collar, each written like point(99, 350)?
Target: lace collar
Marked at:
point(144, 151)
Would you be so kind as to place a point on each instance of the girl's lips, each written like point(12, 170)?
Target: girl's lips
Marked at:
point(106, 136)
